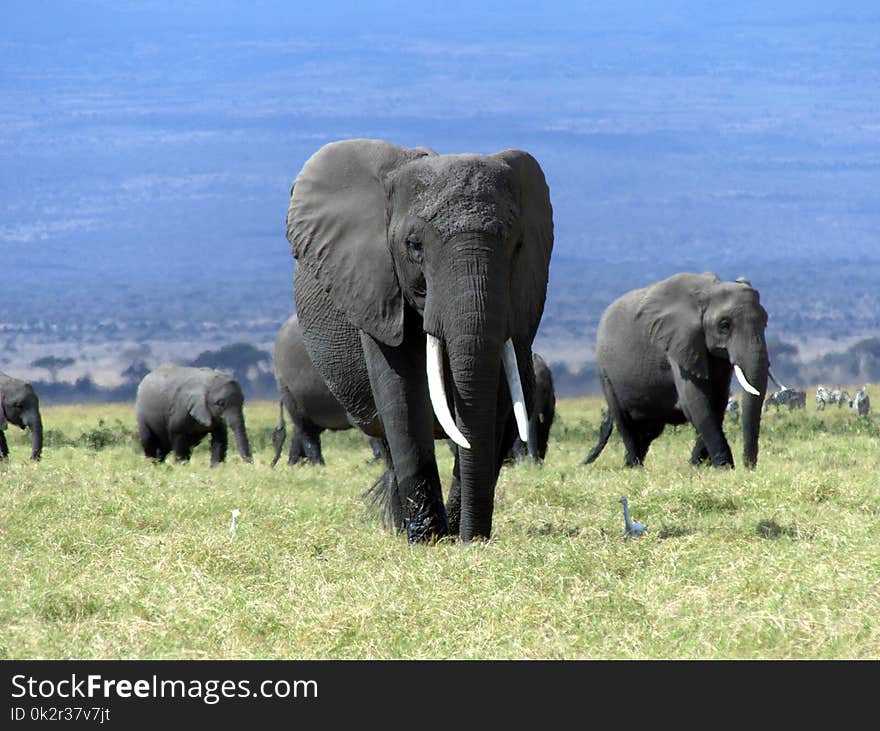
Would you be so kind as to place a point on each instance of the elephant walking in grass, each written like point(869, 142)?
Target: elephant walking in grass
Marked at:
point(666, 354)
point(177, 406)
point(20, 406)
point(420, 284)
point(304, 394)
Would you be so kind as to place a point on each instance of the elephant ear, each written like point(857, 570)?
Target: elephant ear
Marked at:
point(672, 311)
point(535, 231)
point(336, 226)
point(196, 400)
point(3, 422)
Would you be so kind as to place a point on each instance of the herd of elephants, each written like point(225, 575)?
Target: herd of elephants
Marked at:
point(419, 289)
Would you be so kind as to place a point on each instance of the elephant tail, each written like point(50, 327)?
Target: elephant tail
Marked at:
point(604, 433)
point(380, 501)
point(279, 434)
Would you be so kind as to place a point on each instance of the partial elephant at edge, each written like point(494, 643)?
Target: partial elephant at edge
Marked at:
point(20, 406)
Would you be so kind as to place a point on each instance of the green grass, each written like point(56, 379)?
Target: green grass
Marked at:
point(103, 554)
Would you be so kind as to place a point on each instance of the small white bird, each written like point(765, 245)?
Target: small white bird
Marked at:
point(631, 530)
point(234, 522)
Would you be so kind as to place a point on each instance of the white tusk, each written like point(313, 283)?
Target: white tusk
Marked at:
point(437, 391)
point(511, 370)
point(741, 377)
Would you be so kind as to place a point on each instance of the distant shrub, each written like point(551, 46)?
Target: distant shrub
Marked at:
point(106, 435)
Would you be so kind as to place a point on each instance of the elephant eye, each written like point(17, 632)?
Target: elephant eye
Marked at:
point(220, 403)
point(414, 243)
point(724, 325)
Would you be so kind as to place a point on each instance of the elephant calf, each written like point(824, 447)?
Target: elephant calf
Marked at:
point(19, 405)
point(177, 406)
point(304, 394)
point(666, 354)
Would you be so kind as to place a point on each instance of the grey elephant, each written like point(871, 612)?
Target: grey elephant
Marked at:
point(177, 406)
point(420, 283)
point(19, 405)
point(541, 415)
point(304, 394)
point(666, 354)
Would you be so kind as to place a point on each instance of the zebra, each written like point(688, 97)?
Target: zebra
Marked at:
point(861, 403)
point(794, 398)
point(841, 397)
point(834, 396)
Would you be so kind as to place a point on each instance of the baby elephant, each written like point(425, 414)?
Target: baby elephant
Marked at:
point(19, 405)
point(177, 406)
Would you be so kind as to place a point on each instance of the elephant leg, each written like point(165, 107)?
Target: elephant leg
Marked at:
point(219, 442)
point(699, 454)
point(182, 448)
point(453, 500)
point(646, 433)
point(699, 409)
point(311, 443)
point(150, 443)
point(377, 449)
point(626, 429)
point(4, 447)
point(297, 452)
point(400, 390)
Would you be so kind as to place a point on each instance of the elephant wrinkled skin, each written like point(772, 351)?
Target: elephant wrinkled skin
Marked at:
point(418, 275)
point(666, 354)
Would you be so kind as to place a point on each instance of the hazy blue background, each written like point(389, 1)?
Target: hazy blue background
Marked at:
point(147, 151)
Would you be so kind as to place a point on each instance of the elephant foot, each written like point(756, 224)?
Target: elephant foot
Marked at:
point(426, 531)
point(425, 516)
point(453, 518)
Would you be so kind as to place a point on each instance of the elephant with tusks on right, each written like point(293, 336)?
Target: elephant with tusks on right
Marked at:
point(666, 354)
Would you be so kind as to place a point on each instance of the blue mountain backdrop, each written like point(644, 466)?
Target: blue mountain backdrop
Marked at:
point(147, 151)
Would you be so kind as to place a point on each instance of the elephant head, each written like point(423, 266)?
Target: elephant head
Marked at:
point(457, 244)
point(20, 406)
point(221, 400)
point(707, 326)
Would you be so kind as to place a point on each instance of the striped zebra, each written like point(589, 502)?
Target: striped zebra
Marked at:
point(834, 396)
point(794, 398)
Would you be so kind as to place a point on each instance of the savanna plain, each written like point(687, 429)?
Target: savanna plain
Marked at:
point(106, 555)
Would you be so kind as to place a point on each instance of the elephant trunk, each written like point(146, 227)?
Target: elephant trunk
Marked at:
point(36, 426)
point(475, 394)
point(475, 326)
point(754, 366)
point(235, 421)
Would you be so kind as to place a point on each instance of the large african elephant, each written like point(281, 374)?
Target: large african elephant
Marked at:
point(665, 355)
point(541, 415)
point(19, 405)
point(304, 394)
point(417, 276)
point(177, 406)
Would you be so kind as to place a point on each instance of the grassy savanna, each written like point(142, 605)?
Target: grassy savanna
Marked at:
point(103, 554)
